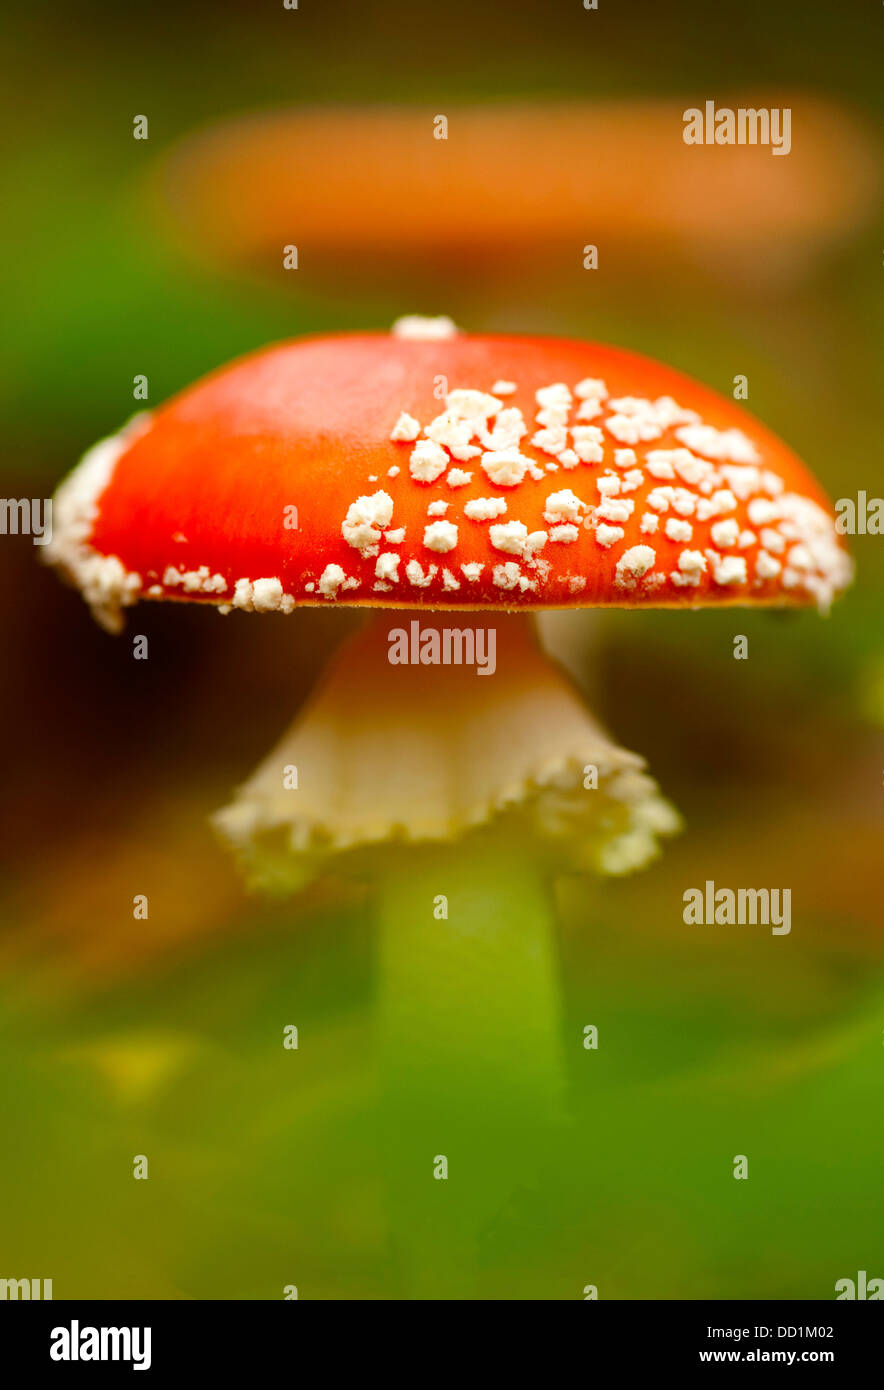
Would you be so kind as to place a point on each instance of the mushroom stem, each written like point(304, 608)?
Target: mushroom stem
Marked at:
point(458, 795)
point(406, 742)
point(471, 1048)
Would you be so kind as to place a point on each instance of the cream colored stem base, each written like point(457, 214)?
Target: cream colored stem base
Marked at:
point(420, 752)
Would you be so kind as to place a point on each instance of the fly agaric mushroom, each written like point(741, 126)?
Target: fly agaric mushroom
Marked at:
point(437, 470)
point(662, 197)
point(465, 482)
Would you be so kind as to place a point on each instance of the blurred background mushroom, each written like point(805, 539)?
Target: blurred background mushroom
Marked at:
point(506, 190)
point(269, 1159)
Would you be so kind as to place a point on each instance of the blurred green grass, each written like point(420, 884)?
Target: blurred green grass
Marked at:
point(264, 1165)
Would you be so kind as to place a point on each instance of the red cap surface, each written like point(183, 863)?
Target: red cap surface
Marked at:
point(447, 470)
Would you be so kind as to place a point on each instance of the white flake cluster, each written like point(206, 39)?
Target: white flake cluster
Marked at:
point(105, 583)
point(365, 521)
point(425, 330)
point(700, 480)
point(484, 508)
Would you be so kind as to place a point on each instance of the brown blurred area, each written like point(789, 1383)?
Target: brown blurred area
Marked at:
point(113, 765)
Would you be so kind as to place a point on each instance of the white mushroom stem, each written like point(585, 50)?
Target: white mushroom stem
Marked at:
point(458, 795)
point(387, 752)
point(572, 637)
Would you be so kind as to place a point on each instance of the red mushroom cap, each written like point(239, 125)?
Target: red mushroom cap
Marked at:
point(447, 470)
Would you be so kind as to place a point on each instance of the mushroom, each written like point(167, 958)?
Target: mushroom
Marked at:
point(455, 484)
point(405, 196)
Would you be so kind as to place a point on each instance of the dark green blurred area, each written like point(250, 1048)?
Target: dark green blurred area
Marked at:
point(164, 1037)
